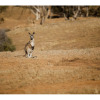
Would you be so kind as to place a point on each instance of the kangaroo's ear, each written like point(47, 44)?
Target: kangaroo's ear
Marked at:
point(33, 32)
point(29, 33)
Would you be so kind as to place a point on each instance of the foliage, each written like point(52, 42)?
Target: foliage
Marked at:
point(3, 8)
point(5, 42)
point(94, 11)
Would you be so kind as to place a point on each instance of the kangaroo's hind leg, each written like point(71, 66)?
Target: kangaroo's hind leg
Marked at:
point(28, 55)
point(31, 54)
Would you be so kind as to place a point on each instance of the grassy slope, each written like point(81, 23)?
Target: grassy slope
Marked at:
point(68, 58)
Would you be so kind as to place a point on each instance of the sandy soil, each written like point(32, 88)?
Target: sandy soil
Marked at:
point(66, 58)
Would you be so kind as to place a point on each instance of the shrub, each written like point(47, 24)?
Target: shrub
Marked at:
point(94, 11)
point(5, 42)
point(1, 20)
point(3, 8)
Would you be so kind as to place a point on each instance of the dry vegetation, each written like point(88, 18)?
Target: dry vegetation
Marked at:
point(66, 58)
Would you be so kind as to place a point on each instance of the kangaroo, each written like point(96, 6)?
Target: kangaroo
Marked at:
point(29, 47)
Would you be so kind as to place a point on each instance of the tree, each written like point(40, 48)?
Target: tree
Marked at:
point(41, 12)
point(44, 12)
point(76, 12)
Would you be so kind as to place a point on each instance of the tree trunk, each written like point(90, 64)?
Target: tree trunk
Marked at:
point(42, 15)
point(37, 16)
point(65, 16)
point(48, 12)
point(76, 13)
point(87, 11)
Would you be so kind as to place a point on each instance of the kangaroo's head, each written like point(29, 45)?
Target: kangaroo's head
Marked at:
point(31, 36)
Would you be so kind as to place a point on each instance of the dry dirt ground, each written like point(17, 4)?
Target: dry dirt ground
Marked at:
point(66, 58)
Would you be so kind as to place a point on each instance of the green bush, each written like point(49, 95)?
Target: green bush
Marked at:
point(5, 42)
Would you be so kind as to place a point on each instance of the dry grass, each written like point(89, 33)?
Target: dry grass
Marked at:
point(67, 58)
